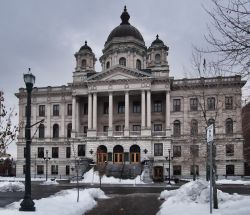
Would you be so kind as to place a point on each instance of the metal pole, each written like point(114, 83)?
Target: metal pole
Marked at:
point(27, 204)
point(169, 166)
point(46, 164)
point(211, 177)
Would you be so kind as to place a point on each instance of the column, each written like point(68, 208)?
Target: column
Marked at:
point(73, 116)
point(77, 116)
point(167, 120)
point(95, 111)
point(149, 109)
point(89, 111)
point(62, 114)
point(126, 132)
point(110, 131)
point(143, 109)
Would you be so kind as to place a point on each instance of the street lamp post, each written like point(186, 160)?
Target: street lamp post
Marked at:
point(169, 166)
point(27, 204)
point(46, 159)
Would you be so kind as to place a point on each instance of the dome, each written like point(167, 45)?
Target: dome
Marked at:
point(85, 47)
point(125, 29)
point(157, 41)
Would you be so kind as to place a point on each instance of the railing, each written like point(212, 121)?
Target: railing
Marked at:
point(118, 133)
point(158, 133)
point(135, 133)
point(102, 134)
point(82, 134)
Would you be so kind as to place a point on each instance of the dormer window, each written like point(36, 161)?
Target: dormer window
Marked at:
point(122, 61)
point(157, 58)
point(138, 64)
point(107, 65)
point(84, 63)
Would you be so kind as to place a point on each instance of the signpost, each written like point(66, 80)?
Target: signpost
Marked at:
point(210, 139)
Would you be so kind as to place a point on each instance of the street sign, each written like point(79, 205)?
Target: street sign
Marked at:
point(210, 133)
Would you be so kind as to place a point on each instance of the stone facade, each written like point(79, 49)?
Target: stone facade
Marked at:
point(133, 111)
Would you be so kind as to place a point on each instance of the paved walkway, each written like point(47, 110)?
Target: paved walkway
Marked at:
point(130, 204)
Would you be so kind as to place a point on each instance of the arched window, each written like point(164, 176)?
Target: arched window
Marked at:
point(118, 154)
point(107, 65)
point(157, 58)
point(69, 130)
point(134, 154)
point(122, 61)
point(194, 127)
point(41, 131)
point(55, 131)
point(84, 63)
point(138, 64)
point(210, 122)
point(229, 126)
point(177, 128)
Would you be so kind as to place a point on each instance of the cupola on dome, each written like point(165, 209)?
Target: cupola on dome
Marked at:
point(125, 29)
point(85, 47)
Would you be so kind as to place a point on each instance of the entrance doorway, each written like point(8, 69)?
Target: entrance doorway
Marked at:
point(134, 154)
point(158, 173)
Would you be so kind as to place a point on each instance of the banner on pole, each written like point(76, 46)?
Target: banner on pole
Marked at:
point(210, 133)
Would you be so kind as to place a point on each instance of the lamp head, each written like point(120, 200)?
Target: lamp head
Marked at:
point(29, 80)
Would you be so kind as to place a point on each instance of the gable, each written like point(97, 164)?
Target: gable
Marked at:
point(119, 73)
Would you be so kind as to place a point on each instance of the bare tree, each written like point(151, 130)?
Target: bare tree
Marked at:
point(101, 168)
point(229, 34)
point(8, 131)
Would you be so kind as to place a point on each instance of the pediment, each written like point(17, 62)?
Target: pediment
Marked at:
point(118, 73)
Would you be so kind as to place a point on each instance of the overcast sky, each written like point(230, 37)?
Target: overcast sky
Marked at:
point(45, 34)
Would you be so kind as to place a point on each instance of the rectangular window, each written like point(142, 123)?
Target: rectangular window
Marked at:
point(67, 169)
point(211, 103)
point(85, 129)
point(121, 107)
point(81, 150)
point(194, 150)
point(157, 106)
point(68, 152)
point(176, 151)
point(176, 105)
point(228, 102)
point(24, 169)
point(229, 169)
point(176, 169)
point(157, 127)
point(69, 110)
point(105, 108)
point(105, 128)
point(229, 150)
point(55, 110)
point(110, 156)
point(158, 149)
point(136, 127)
point(41, 110)
point(126, 156)
point(55, 152)
point(40, 152)
point(24, 152)
point(39, 169)
point(136, 107)
point(193, 104)
point(118, 128)
point(194, 169)
point(85, 108)
point(54, 169)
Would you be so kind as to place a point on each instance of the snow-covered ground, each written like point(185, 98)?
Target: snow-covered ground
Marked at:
point(50, 182)
point(7, 186)
point(62, 203)
point(193, 199)
point(93, 178)
point(228, 181)
point(20, 179)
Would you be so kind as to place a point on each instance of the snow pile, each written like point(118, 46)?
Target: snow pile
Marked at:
point(193, 198)
point(62, 203)
point(228, 181)
point(7, 186)
point(20, 179)
point(93, 177)
point(50, 182)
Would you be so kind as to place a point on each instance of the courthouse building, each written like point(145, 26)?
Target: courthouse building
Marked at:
point(132, 111)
